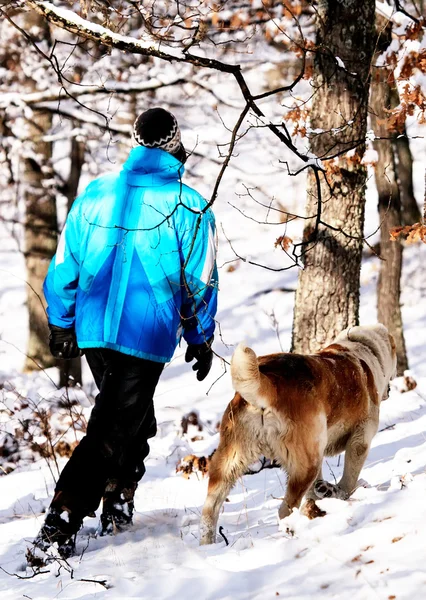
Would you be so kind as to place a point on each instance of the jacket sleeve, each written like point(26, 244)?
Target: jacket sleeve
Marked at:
point(60, 285)
point(199, 277)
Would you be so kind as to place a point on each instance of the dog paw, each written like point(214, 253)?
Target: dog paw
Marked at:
point(325, 489)
point(284, 510)
point(207, 540)
point(311, 510)
point(207, 531)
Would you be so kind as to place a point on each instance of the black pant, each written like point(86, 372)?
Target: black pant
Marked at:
point(121, 422)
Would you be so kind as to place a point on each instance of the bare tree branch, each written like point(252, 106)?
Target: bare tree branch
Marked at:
point(78, 90)
point(146, 46)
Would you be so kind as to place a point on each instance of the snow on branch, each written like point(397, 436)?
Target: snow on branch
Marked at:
point(82, 117)
point(146, 45)
point(397, 13)
point(78, 90)
point(149, 46)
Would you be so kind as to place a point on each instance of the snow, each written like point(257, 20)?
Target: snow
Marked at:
point(340, 63)
point(144, 43)
point(58, 92)
point(385, 9)
point(367, 548)
point(371, 156)
point(388, 11)
point(370, 547)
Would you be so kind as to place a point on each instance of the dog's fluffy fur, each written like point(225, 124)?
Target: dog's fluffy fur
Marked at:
point(296, 409)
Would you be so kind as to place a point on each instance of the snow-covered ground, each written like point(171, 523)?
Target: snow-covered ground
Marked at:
point(369, 547)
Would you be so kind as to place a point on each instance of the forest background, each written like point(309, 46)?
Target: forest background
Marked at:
point(295, 113)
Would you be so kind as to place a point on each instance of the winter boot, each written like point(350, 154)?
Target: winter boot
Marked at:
point(60, 528)
point(117, 507)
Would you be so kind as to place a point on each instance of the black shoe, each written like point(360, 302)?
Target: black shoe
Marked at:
point(59, 528)
point(118, 507)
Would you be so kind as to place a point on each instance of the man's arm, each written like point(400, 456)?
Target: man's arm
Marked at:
point(60, 285)
point(199, 278)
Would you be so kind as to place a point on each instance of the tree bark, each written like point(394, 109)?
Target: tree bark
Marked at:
point(389, 283)
point(404, 170)
point(77, 158)
point(40, 242)
point(70, 370)
point(327, 297)
point(41, 219)
point(41, 226)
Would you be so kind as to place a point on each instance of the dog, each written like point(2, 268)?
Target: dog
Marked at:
point(296, 409)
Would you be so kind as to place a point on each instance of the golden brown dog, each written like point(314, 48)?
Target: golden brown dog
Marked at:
point(296, 409)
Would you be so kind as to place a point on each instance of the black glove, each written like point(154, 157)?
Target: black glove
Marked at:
point(203, 354)
point(63, 342)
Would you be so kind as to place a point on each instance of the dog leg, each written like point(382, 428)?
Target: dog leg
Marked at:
point(356, 452)
point(297, 485)
point(223, 473)
point(302, 457)
point(309, 508)
point(355, 455)
point(311, 493)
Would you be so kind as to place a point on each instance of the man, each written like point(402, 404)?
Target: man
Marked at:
point(134, 271)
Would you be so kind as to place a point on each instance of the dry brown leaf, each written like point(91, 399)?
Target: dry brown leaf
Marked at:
point(411, 233)
point(284, 242)
point(193, 464)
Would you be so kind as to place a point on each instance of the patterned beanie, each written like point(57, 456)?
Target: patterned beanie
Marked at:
point(158, 128)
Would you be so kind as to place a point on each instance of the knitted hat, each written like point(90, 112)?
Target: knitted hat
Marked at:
point(158, 128)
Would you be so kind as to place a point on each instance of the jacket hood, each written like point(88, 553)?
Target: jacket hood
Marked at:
point(150, 167)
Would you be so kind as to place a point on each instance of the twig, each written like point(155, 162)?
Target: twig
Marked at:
point(24, 576)
point(402, 10)
point(32, 359)
point(388, 427)
point(220, 376)
point(331, 471)
point(102, 582)
point(223, 535)
point(265, 464)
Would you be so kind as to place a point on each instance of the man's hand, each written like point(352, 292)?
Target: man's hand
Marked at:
point(203, 354)
point(63, 342)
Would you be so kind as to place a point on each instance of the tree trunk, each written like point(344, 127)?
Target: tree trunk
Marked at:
point(40, 237)
point(41, 227)
point(404, 169)
point(70, 370)
point(41, 219)
point(327, 298)
point(389, 283)
point(77, 158)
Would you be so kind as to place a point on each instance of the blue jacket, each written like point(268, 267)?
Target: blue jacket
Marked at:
point(136, 262)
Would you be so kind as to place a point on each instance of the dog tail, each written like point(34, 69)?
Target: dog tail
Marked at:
point(247, 380)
